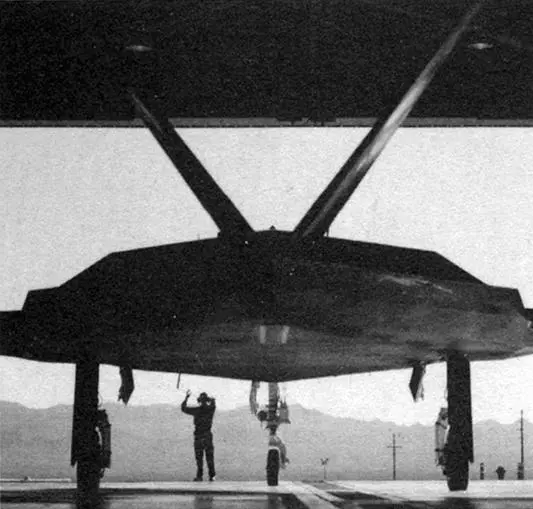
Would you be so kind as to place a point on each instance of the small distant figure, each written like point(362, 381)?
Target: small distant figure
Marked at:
point(203, 437)
point(481, 471)
point(500, 472)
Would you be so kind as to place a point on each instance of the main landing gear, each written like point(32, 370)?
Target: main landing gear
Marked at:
point(85, 451)
point(459, 448)
point(91, 438)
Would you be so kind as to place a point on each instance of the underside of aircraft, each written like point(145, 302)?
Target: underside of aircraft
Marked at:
point(269, 306)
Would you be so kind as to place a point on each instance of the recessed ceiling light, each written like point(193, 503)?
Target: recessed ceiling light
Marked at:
point(138, 48)
point(481, 45)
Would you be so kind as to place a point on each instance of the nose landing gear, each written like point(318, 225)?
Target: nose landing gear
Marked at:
point(273, 415)
point(273, 466)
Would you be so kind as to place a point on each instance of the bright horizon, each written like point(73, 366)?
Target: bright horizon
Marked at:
point(364, 397)
point(71, 196)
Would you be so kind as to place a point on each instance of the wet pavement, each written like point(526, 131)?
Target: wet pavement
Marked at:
point(288, 495)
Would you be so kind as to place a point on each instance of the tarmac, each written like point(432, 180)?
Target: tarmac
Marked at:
point(288, 495)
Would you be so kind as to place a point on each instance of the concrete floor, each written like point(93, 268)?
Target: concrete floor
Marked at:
point(288, 495)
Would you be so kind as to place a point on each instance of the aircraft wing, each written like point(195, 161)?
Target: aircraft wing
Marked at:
point(251, 62)
point(269, 312)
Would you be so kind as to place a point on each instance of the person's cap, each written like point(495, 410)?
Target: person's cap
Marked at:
point(203, 397)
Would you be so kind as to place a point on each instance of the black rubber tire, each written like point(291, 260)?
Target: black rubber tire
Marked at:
point(88, 479)
point(272, 468)
point(457, 475)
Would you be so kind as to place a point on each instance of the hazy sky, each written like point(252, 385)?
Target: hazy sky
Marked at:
point(68, 197)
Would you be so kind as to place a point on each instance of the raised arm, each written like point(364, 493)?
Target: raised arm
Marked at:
point(184, 407)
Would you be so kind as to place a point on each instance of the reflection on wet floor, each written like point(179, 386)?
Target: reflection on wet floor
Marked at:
point(362, 502)
point(199, 501)
point(160, 501)
point(464, 503)
point(259, 501)
point(289, 495)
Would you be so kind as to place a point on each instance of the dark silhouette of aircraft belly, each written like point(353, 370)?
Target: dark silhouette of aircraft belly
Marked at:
point(199, 307)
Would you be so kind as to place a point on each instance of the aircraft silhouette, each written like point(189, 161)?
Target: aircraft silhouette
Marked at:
point(273, 305)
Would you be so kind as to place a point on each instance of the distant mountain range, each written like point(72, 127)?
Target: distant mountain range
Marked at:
point(155, 443)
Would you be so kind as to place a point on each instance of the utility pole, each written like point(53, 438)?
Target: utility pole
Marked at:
point(521, 466)
point(394, 447)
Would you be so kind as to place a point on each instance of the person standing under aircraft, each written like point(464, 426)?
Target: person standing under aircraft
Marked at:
point(203, 437)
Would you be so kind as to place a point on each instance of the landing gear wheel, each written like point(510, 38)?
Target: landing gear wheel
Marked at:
point(88, 473)
point(457, 475)
point(272, 468)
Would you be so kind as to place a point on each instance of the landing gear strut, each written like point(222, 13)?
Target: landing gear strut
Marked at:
point(273, 415)
point(459, 448)
point(85, 443)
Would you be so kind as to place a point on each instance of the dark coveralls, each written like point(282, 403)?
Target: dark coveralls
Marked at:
point(203, 438)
